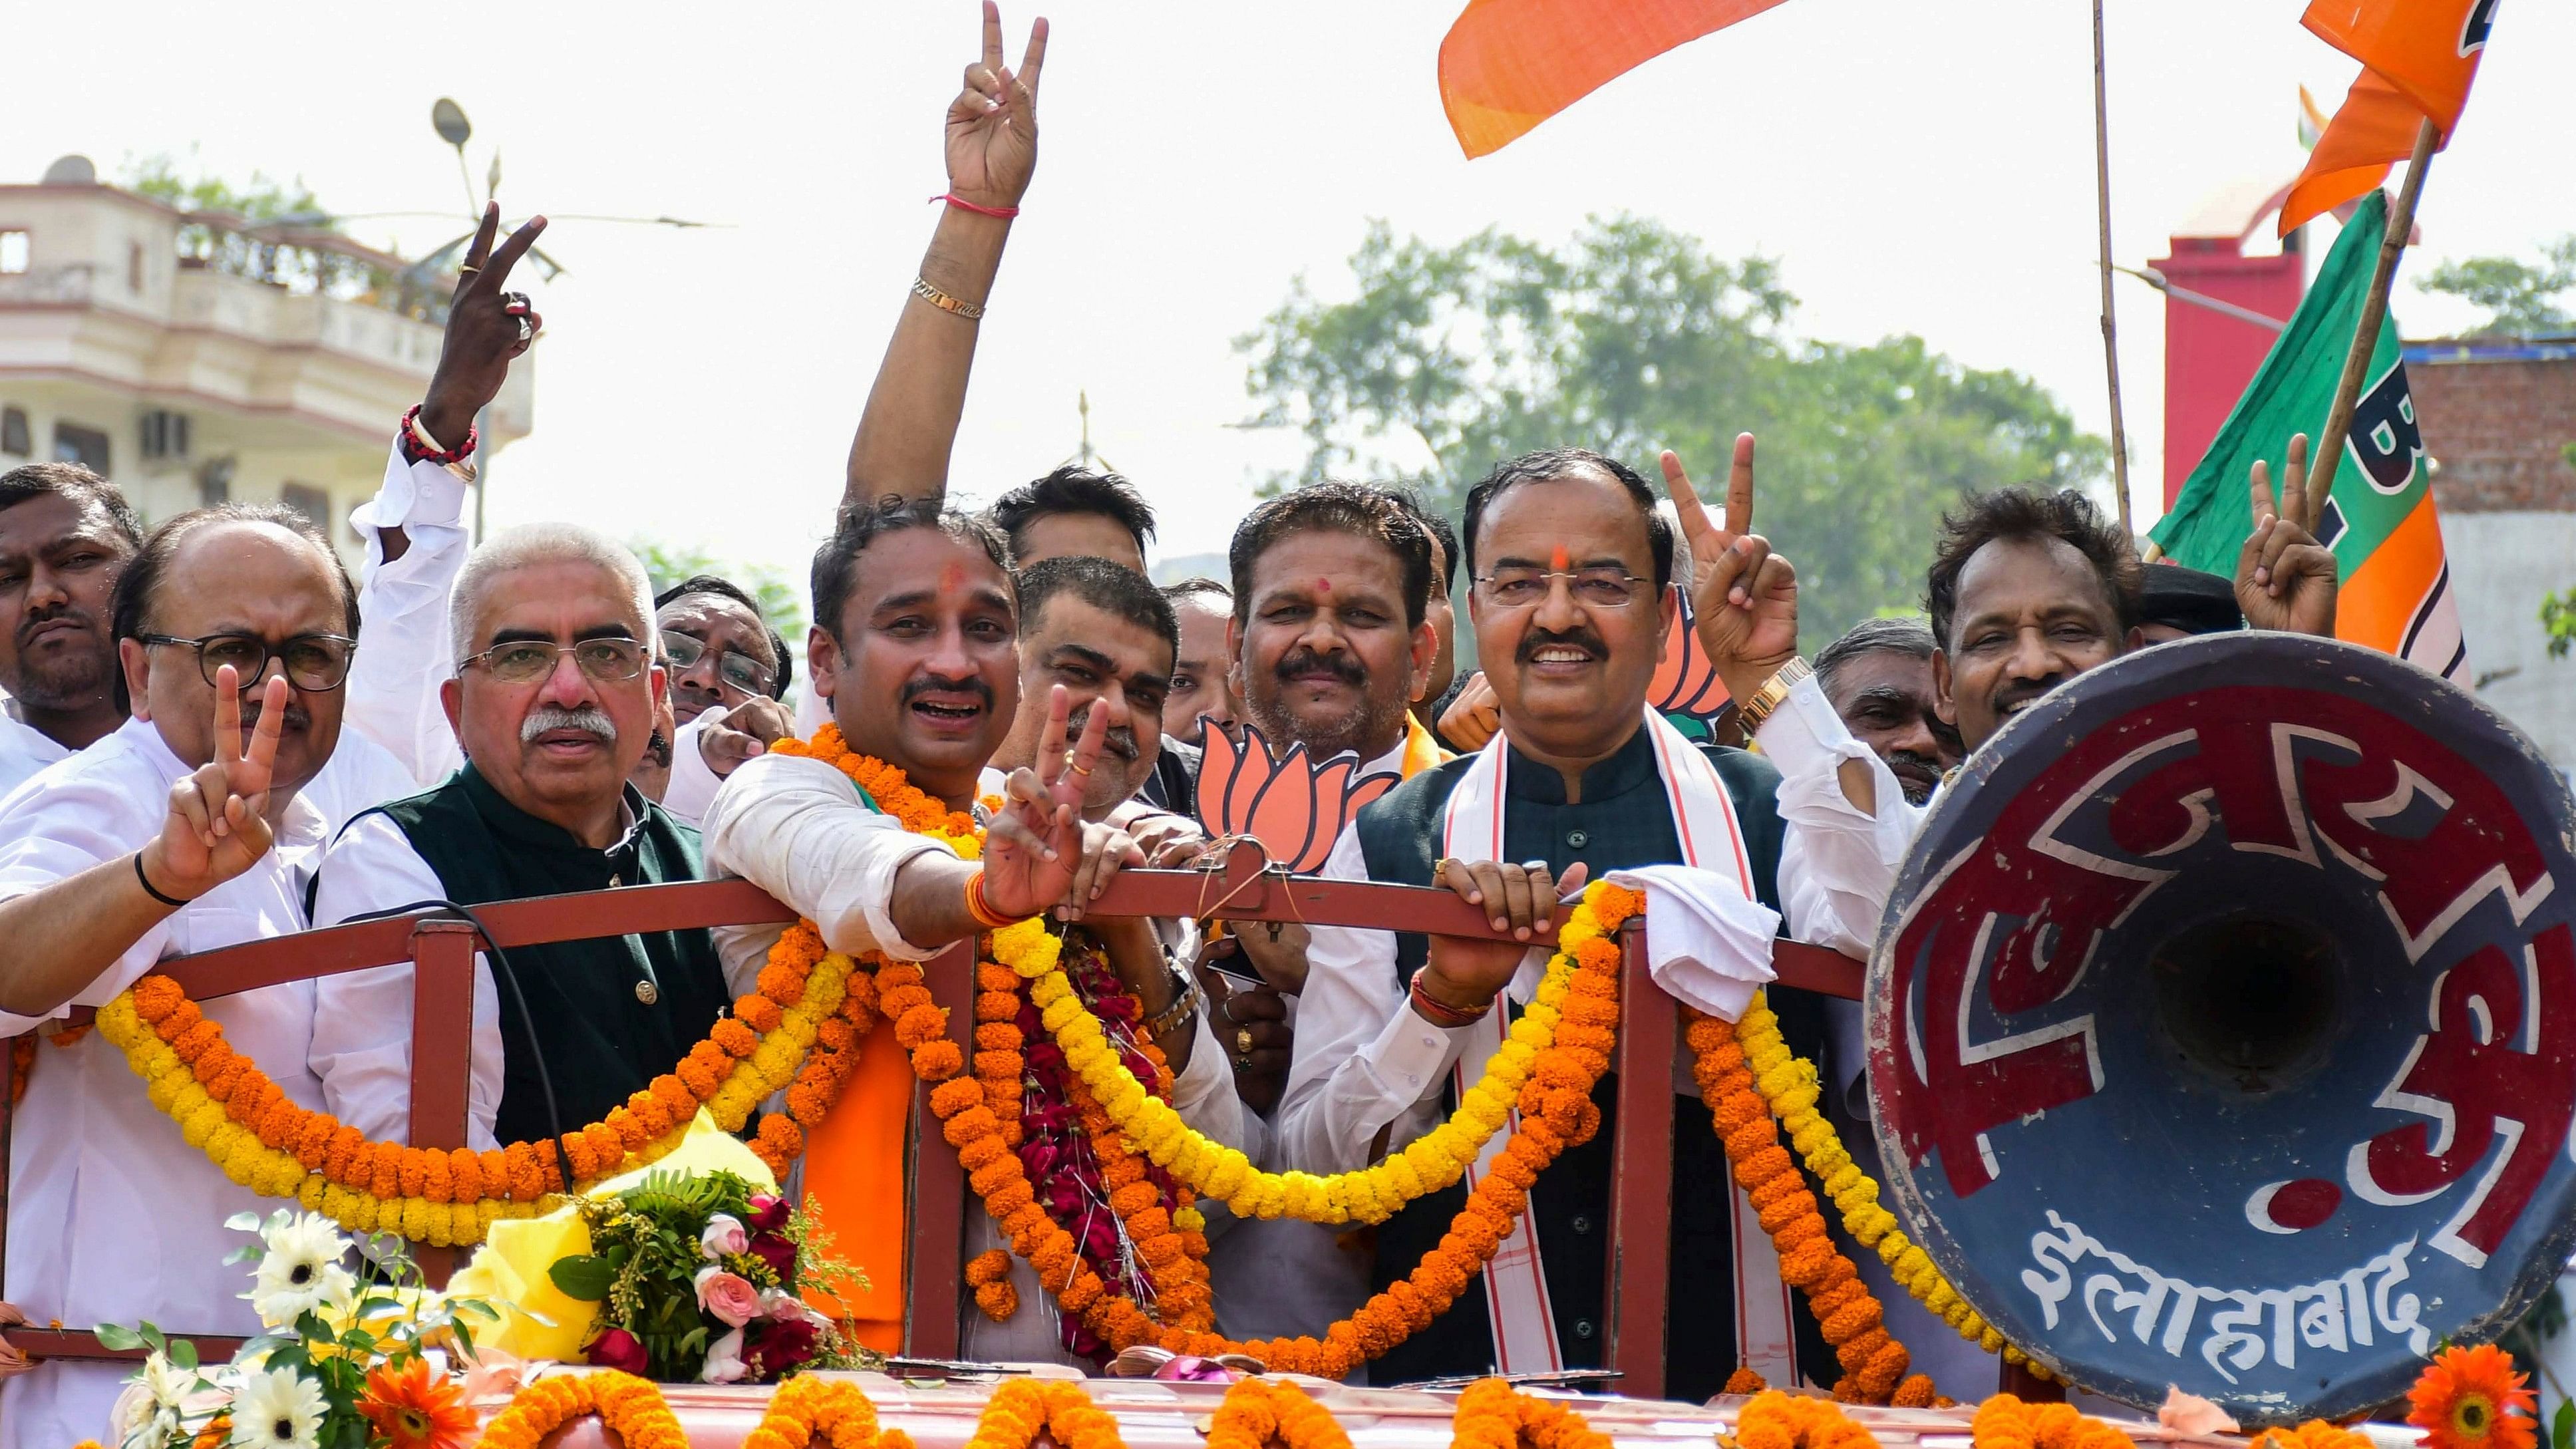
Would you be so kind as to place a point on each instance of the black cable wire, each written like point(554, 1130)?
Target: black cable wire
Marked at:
point(527, 1022)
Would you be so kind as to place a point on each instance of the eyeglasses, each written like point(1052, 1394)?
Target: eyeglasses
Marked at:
point(733, 667)
point(522, 661)
point(315, 662)
point(1601, 588)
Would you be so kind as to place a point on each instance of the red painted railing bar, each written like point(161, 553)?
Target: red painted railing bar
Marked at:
point(442, 1035)
point(1641, 1177)
point(936, 1208)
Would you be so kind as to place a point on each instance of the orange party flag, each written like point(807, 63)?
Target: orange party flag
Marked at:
point(1507, 65)
point(2417, 57)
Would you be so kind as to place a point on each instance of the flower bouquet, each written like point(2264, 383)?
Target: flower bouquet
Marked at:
point(346, 1364)
point(697, 1277)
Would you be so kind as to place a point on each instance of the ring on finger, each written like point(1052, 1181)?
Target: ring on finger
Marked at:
point(1243, 1041)
point(527, 329)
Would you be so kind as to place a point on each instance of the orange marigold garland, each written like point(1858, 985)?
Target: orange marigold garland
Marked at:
point(1774, 1420)
point(2005, 1422)
point(1258, 1412)
point(989, 1274)
point(1020, 1408)
point(1852, 1318)
point(631, 1407)
point(2314, 1434)
point(1491, 1414)
point(1388, 1318)
point(2471, 1398)
point(809, 1412)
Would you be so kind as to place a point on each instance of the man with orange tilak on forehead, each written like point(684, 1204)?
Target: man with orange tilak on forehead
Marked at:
point(916, 650)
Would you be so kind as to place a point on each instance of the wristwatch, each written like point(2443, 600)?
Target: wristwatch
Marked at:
point(1184, 1008)
point(1773, 693)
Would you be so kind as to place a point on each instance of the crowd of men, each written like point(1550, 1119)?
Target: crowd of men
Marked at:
point(214, 735)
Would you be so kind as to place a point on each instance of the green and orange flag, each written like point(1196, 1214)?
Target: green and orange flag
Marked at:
point(2417, 60)
point(1507, 65)
point(2380, 522)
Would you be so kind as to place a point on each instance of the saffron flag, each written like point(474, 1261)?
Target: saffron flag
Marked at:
point(2380, 522)
point(2418, 58)
point(1507, 65)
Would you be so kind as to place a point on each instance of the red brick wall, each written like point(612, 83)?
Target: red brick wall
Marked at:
point(2499, 431)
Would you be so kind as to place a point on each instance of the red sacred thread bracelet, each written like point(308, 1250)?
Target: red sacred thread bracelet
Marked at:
point(962, 204)
point(1440, 1013)
point(418, 444)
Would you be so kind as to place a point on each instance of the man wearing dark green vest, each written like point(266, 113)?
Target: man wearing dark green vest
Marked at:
point(1570, 563)
point(553, 699)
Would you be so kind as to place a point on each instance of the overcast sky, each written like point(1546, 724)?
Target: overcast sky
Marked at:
point(1916, 168)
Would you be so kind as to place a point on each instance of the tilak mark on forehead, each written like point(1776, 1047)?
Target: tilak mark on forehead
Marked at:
point(1556, 558)
point(952, 578)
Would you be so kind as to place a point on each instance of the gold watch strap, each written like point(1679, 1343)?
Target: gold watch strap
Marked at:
point(1773, 693)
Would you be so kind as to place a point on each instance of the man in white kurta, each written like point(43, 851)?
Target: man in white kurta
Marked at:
point(917, 653)
point(111, 862)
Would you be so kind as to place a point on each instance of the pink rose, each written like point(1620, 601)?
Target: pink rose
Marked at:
point(768, 1213)
point(723, 1236)
point(728, 1296)
point(617, 1349)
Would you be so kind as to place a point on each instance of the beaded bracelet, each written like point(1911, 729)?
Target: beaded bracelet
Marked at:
point(420, 447)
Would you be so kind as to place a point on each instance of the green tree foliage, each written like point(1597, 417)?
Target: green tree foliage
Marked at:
point(781, 602)
point(1631, 339)
point(2515, 293)
point(160, 177)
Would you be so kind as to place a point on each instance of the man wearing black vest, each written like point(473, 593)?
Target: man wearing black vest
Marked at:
point(1569, 561)
point(553, 698)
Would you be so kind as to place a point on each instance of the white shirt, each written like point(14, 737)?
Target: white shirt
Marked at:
point(113, 1217)
point(796, 828)
point(693, 785)
point(24, 750)
point(1847, 858)
point(404, 649)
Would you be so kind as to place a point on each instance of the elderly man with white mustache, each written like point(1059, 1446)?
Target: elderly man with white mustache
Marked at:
point(553, 699)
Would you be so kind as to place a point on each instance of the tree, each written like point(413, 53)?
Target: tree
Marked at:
point(1631, 339)
point(263, 200)
point(2515, 293)
point(781, 603)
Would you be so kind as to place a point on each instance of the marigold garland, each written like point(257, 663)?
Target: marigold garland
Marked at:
point(1774, 1420)
point(1388, 1318)
point(1852, 1318)
point(1491, 1414)
point(245, 1124)
point(1428, 1164)
point(1788, 1083)
point(631, 1408)
point(2314, 1434)
point(988, 1274)
point(2470, 1398)
point(2005, 1422)
point(1020, 1408)
point(810, 1412)
point(1258, 1412)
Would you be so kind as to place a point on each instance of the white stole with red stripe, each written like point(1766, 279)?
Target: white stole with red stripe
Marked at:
point(1516, 1299)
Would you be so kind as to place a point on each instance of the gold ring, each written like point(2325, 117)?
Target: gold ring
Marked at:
point(1243, 1041)
point(467, 271)
point(1077, 769)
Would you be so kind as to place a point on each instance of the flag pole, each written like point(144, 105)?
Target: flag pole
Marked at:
point(2110, 331)
point(2365, 338)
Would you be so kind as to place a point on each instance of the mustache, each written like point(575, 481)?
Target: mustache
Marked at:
point(2019, 692)
point(1538, 639)
point(1119, 740)
point(589, 719)
point(1926, 763)
point(1304, 660)
point(296, 717)
point(61, 614)
point(933, 684)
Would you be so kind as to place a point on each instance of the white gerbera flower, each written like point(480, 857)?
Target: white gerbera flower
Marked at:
point(300, 1271)
point(151, 1411)
point(278, 1409)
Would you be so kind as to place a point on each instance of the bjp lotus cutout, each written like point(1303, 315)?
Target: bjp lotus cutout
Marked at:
point(1295, 806)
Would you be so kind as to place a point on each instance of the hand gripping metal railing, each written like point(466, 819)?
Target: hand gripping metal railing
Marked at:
point(441, 949)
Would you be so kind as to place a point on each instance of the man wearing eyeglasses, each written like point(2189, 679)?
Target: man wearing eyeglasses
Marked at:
point(1570, 563)
point(183, 830)
point(552, 696)
point(729, 673)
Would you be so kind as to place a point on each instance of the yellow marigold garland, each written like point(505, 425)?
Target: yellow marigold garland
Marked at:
point(1851, 1317)
point(1788, 1083)
point(1491, 1414)
point(1428, 1164)
point(810, 1412)
point(1020, 1408)
point(1258, 1412)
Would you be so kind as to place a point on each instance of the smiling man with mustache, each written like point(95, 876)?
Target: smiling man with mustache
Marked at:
point(552, 696)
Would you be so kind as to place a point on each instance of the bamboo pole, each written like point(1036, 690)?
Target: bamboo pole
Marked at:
point(2365, 337)
point(2110, 329)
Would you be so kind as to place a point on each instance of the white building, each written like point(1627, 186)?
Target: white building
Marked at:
point(195, 358)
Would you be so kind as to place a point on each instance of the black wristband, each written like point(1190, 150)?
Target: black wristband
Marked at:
point(149, 889)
